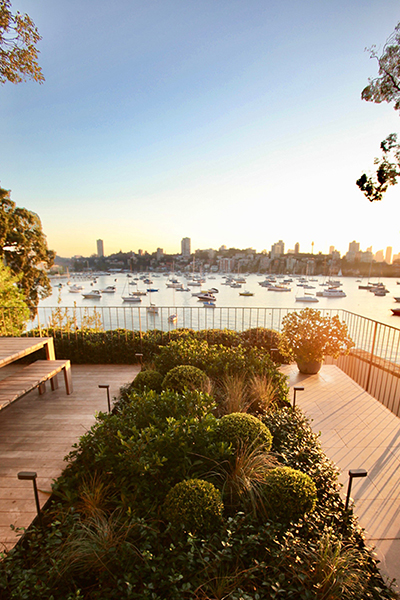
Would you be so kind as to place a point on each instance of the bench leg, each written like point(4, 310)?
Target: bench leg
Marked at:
point(68, 378)
point(54, 383)
point(42, 388)
point(50, 353)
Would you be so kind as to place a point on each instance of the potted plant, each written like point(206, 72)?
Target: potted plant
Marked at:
point(307, 337)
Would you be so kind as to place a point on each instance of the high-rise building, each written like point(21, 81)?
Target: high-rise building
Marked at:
point(296, 248)
point(388, 255)
point(354, 247)
point(277, 249)
point(100, 248)
point(185, 247)
point(353, 251)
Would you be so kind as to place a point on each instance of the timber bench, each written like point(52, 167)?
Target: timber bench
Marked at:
point(34, 376)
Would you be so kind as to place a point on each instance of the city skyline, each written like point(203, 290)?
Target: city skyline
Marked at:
point(234, 121)
point(387, 254)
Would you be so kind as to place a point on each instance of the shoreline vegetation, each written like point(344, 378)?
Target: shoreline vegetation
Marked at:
point(202, 482)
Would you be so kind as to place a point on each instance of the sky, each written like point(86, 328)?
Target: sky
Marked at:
point(232, 122)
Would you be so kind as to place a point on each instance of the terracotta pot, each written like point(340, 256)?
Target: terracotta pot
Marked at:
point(310, 367)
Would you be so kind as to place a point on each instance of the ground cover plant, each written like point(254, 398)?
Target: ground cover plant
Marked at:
point(177, 494)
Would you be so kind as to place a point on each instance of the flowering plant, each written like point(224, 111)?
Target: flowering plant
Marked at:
point(309, 336)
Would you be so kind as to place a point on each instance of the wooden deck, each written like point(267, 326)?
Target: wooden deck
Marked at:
point(37, 431)
point(358, 432)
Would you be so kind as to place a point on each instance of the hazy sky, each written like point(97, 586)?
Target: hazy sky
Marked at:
point(235, 122)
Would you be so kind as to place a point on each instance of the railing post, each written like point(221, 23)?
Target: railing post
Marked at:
point(372, 357)
point(38, 320)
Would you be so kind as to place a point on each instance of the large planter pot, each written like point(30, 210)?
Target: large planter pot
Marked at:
point(310, 367)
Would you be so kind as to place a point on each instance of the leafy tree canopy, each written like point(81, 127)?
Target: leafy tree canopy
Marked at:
point(18, 51)
point(387, 171)
point(23, 247)
point(384, 88)
point(14, 312)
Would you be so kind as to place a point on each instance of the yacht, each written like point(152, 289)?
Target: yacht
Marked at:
point(93, 294)
point(307, 298)
point(110, 289)
point(206, 297)
point(75, 289)
point(333, 293)
point(278, 288)
point(131, 298)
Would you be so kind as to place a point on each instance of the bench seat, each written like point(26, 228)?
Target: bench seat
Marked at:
point(34, 376)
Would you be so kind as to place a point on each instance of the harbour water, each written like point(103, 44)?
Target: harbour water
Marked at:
point(359, 301)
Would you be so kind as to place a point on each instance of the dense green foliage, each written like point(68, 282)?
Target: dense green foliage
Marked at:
point(90, 344)
point(147, 379)
point(185, 376)
point(289, 494)
point(12, 322)
point(195, 506)
point(241, 429)
point(164, 499)
point(23, 246)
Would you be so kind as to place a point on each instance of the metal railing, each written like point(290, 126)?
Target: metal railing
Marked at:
point(374, 362)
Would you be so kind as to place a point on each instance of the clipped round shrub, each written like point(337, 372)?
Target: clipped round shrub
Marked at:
point(194, 504)
point(185, 377)
point(288, 494)
point(150, 380)
point(242, 428)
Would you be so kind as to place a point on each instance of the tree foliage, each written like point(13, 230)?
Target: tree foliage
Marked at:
point(384, 88)
point(387, 170)
point(14, 312)
point(23, 247)
point(18, 52)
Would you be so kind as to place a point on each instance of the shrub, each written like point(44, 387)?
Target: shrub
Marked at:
point(260, 337)
point(185, 377)
point(194, 504)
point(182, 352)
point(223, 337)
point(289, 494)
point(299, 447)
point(147, 379)
point(244, 429)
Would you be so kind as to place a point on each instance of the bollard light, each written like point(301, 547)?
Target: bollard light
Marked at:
point(353, 474)
point(107, 387)
point(273, 353)
point(31, 476)
point(139, 356)
point(297, 388)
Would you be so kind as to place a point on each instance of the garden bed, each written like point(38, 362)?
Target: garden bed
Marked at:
point(203, 483)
